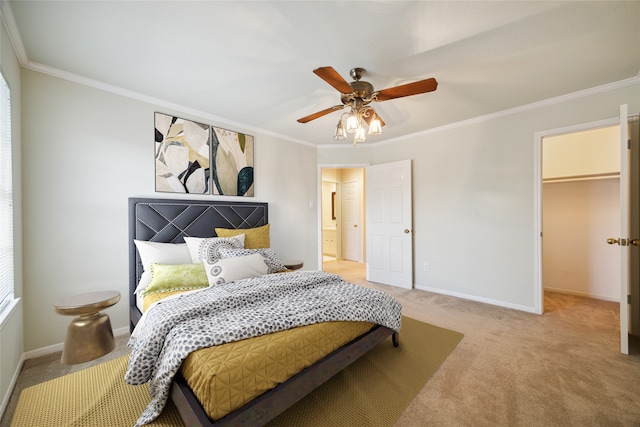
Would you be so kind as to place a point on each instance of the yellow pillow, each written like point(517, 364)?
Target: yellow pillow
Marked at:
point(254, 238)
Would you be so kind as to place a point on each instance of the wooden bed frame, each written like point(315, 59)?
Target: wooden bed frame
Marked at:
point(168, 221)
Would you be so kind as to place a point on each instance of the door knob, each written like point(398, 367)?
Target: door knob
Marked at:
point(407, 231)
point(623, 242)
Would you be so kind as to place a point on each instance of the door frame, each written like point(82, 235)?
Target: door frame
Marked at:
point(537, 201)
point(319, 198)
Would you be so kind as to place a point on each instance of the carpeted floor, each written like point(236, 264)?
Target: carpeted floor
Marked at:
point(563, 368)
point(93, 397)
point(376, 389)
point(373, 391)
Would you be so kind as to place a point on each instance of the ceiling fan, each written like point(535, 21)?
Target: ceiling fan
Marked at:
point(358, 95)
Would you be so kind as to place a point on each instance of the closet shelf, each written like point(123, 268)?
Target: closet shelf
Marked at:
point(609, 175)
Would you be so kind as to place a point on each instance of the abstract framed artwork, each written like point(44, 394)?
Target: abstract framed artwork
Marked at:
point(232, 163)
point(182, 155)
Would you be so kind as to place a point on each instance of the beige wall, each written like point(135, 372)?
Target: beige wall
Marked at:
point(582, 154)
point(86, 152)
point(578, 217)
point(474, 195)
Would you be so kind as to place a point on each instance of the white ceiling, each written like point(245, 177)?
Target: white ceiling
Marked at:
point(249, 64)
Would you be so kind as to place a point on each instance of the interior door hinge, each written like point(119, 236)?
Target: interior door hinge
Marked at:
point(628, 299)
point(629, 144)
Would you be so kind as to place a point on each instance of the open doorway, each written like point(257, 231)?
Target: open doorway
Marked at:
point(626, 237)
point(580, 210)
point(343, 214)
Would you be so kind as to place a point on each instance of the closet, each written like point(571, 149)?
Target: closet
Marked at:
point(580, 210)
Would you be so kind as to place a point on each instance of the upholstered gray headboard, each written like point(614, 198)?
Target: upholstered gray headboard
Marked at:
point(169, 220)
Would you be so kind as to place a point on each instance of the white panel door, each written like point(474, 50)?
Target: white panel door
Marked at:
point(351, 226)
point(389, 223)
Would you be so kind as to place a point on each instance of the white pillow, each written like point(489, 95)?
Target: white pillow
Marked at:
point(273, 263)
point(206, 249)
point(230, 269)
point(159, 253)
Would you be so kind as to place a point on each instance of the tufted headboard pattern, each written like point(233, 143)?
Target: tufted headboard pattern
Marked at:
point(169, 220)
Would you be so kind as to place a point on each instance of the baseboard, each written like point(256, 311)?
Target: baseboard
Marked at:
point(479, 299)
point(44, 351)
point(582, 294)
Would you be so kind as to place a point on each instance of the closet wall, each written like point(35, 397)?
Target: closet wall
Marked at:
point(580, 211)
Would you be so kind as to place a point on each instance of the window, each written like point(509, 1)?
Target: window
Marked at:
point(6, 197)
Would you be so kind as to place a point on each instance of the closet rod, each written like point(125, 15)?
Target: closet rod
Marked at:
point(588, 177)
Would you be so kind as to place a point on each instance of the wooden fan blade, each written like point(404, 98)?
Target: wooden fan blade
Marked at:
point(331, 76)
point(320, 113)
point(415, 88)
point(368, 119)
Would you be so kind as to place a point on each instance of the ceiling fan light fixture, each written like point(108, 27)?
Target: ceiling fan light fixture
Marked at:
point(340, 132)
point(375, 127)
point(358, 95)
point(359, 136)
point(353, 122)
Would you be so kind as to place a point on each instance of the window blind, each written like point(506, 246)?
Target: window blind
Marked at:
point(6, 197)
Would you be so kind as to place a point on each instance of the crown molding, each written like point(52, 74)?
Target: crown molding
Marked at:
point(12, 29)
point(220, 121)
point(523, 108)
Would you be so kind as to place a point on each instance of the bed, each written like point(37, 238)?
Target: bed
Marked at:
point(170, 221)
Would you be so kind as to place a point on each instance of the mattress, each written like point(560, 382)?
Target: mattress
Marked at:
point(225, 377)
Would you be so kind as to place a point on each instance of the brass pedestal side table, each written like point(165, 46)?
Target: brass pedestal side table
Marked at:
point(89, 335)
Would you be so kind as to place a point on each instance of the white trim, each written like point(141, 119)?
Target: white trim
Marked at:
point(44, 351)
point(349, 145)
point(522, 108)
point(6, 13)
point(477, 299)
point(8, 311)
point(343, 166)
point(537, 197)
point(538, 291)
point(84, 81)
point(581, 127)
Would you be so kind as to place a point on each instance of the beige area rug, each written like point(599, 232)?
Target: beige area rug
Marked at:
point(373, 391)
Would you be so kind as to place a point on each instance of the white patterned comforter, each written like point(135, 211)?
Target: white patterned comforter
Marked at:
point(244, 309)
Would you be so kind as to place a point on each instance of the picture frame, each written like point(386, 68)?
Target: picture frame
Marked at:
point(232, 163)
point(182, 155)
